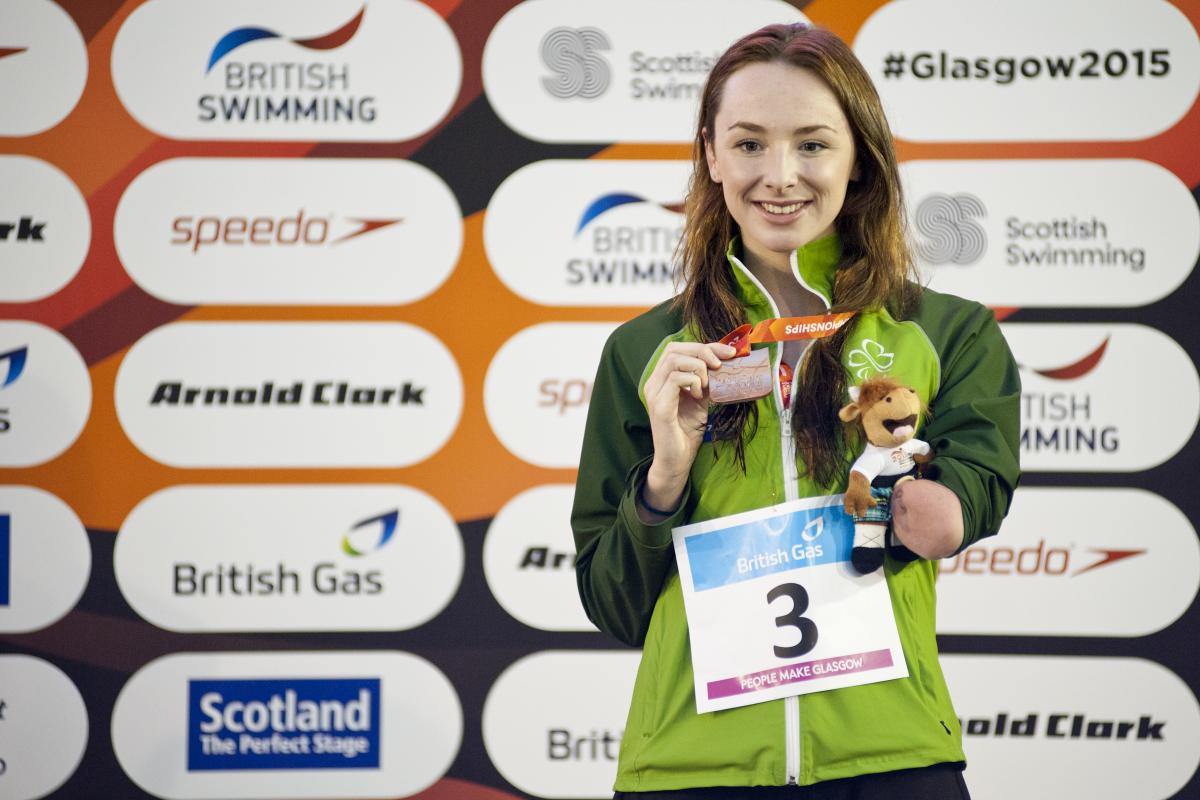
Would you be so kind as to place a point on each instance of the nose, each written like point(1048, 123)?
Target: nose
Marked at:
point(782, 169)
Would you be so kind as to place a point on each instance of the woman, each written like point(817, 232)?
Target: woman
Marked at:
point(794, 209)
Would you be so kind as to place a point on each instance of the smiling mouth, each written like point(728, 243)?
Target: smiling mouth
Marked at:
point(892, 424)
point(778, 208)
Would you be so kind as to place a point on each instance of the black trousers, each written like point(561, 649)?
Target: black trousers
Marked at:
point(938, 782)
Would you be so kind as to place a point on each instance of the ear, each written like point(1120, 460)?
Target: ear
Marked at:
point(714, 172)
point(848, 412)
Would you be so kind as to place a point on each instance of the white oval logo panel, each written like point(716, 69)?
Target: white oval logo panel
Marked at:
point(296, 230)
point(622, 70)
point(45, 229)
point(341, 70)
point(979, 231)
point(950, 71)
point(45, 559)
point(43, 67)
point(263, 725)
point(1093, 562)
point(289, 394)
point(529, 560)
point(565, 745)
point(288, 558)
point(1096, 398)
point(537, 389)
point(45, 393)
point(1077, 727)
point(605, 231)
point(44, 728)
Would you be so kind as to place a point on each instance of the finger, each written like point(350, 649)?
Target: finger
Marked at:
point(690, 365)
point(689, 382)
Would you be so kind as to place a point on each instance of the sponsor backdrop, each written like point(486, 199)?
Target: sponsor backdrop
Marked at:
point(301, 304)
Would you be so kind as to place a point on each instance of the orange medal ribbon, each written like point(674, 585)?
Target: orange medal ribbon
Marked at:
point(747, 375)
point(785, 329)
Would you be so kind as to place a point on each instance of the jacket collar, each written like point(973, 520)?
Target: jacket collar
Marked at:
point(813, 265)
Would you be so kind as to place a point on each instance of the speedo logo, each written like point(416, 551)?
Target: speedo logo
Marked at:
point(195, 232)
point(1033, 560)
point(283, 724)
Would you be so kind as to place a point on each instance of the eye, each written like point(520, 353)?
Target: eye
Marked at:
point(888, 399)
point(748, 146)
point(812, 146)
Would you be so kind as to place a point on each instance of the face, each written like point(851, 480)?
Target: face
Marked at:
point(782, 150)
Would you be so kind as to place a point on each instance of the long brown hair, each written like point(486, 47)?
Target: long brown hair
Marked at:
point(876, 265)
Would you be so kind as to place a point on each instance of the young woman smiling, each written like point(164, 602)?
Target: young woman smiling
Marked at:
point(794, 210)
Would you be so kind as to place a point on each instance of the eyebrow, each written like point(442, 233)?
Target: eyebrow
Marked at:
point(752, 127)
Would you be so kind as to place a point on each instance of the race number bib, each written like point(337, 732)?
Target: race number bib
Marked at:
point(774, 608)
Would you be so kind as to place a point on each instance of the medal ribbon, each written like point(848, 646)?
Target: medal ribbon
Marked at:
point(785, 329)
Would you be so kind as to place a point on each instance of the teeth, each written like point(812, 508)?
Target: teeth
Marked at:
point(774, 209)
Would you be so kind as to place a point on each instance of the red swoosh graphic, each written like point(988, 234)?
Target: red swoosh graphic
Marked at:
point(11, 51)
point(1081, 367)
point(368, 225)
point(1109, 557)
point(335, 39)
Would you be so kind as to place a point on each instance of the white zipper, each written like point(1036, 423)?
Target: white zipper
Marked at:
point(791, 705)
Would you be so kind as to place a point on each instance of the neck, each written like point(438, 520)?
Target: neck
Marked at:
point(774, 272)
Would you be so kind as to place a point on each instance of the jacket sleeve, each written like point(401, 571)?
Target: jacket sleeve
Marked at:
point(974, 425)
point(621, 562)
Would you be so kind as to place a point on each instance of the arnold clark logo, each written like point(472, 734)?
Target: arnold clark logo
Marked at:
point(262, 725)
point(296, 231)
point(1079, 727)
point(565, 744)
point(1093, 562)
point(43, 727)
point(957, 72)
point(289, 394)
point(622, 70)
point(281, 558)
point(1076, 243)
point(536, 392)
point(344, 70)
point(529, 560)
point(606, 232)
point(45, 559)
point(43, 67)
point(45, 393)
point(1102, 397)
point(45, 229)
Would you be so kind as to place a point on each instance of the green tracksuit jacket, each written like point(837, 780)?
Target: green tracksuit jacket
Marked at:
point(952, 352)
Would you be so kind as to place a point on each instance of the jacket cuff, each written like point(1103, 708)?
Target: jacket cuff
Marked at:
point(657, 535)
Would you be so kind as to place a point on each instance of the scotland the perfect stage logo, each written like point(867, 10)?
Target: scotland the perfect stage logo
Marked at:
point(325, 723)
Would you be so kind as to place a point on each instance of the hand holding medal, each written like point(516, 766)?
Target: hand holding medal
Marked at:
point(747, 376)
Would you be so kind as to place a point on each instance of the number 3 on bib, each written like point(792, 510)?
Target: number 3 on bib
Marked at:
point(794, 619)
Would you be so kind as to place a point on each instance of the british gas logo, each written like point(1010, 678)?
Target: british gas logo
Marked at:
point(1094, 562)
point(263, 725)
point(344, 70)
point(621, 70)
point(1077, 243)
point(1084, 407)
point(300, 231)
point(45, 393)
point(606, 232)
point(288, 558)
